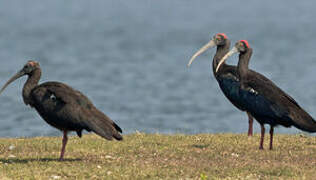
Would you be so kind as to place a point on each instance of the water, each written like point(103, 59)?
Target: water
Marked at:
point(129, 58)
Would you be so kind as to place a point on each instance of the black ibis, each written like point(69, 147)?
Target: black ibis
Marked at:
point(227, 75)
point(63, 107)
point(265, 101)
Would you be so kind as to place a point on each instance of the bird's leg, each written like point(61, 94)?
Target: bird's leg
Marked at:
point(250, 121)
point(271, 136)
point(262, 136)
point(65, 139)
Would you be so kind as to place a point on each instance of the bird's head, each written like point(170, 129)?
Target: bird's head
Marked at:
point(240, 47)
point(218, 39)
point(27, 69)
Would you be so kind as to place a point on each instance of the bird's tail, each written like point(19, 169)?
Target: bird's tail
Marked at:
point(302, 120)
point(104, 126)
point(117, 135)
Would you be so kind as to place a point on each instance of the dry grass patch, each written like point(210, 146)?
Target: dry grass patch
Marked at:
point(156, 156)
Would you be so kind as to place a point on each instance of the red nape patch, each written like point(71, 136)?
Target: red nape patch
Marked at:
point(222, 34)
point(245, 42)
point(32, 63)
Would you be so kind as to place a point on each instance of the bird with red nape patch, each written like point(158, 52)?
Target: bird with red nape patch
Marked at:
point(264, 100)
point(227, 75)
point(63, 107)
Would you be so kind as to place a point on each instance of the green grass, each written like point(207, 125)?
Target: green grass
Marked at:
point(156, 156)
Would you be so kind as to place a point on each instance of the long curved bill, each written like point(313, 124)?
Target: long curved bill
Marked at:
point(210, 44)
point(13, 78)
point(227, 55)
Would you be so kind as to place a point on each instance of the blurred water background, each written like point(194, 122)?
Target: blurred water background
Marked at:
point(129, 58)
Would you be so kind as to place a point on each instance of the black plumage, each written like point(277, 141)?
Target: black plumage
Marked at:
point(266, 102)
point(226, 77)
point(64, 107)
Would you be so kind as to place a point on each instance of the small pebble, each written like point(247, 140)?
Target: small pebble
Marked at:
point(55, 177)
point(11, 156)
point(11, 147)
point(108, 157)
point(235, 155)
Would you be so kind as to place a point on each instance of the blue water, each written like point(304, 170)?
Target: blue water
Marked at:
point(129, 58)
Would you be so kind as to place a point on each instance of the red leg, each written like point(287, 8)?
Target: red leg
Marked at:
point(250, 121)
point(262, 136)
point(65, 139)
point(271, 137)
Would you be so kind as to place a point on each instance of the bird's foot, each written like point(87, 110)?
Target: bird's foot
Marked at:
point(261, 148)
point(61, 158)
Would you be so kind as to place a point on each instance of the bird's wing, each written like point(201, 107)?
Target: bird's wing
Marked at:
point(276, 101)
point(268, 88)
point(282, 104)
point(74, 108)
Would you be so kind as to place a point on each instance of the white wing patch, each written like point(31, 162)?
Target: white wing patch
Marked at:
point(251, 90)
point(52, 97)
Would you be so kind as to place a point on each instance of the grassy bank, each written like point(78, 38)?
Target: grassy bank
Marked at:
point(154, 156)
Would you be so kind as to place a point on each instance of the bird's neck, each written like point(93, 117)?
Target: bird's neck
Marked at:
point(243, 64)
point(30, 84)
point(220, 53)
